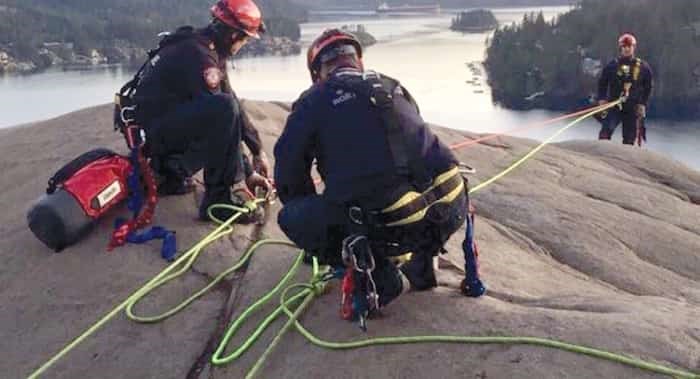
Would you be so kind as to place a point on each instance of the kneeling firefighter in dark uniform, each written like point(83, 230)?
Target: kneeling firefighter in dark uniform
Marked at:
point(631, 78)
point(189, 112)
point(391, 186)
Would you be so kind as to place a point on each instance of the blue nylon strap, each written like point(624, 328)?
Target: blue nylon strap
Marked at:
point(135, 203)
point(169, 247)
point(476, 287)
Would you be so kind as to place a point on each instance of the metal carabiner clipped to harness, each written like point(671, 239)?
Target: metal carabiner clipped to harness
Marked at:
point(360, 296)
point(465, 169)
point(123, 114)
point(356, 215)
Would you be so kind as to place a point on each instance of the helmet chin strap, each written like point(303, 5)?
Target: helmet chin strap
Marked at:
point(329, 39)
point(222, 36)
point(346, 61)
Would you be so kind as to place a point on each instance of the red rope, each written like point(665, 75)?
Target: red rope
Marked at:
point(145, 216)
point(536, 125)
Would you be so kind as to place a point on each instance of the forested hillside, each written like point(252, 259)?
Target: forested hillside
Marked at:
point(114, 27)
point(555, 64)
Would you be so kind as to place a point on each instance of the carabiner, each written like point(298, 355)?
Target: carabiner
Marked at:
point(122, 114)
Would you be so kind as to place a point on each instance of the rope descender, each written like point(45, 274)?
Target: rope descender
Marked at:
point(359, 291)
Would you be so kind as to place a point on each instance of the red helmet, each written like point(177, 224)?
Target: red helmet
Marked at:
point(326, 39)
point(627, 39)
point(241, 15)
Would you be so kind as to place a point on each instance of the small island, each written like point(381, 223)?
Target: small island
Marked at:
point(361, 33)
point(474, 21)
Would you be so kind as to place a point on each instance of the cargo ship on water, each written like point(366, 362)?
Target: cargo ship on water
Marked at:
point(385, 8)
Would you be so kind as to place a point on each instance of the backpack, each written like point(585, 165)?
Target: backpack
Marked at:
point(79, 194)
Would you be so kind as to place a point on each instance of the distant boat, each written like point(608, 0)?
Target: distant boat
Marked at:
point(405, 8)
point(534, 96)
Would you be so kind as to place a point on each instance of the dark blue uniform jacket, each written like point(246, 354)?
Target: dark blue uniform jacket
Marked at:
point(335, 125)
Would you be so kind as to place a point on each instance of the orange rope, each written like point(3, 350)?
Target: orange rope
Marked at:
point(536, 125)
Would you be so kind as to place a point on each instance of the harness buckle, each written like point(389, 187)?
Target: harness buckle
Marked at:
point(356, 215)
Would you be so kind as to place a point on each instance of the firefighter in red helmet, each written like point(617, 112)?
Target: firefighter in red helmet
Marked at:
point(326, 39)
point(391, 186)
point(242, 15)
point(191, 115)
point(630, 78)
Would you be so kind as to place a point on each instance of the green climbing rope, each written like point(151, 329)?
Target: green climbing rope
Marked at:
point(314, 288)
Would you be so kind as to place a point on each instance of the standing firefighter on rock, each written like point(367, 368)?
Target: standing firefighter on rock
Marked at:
point(630, 78)
point(391, 186)
point(191, 117)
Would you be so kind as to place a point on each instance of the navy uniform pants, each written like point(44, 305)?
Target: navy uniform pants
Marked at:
point(627, 117)
point(319, 227)
point(199, 134)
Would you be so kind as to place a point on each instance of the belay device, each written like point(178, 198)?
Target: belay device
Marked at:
point(77, 195)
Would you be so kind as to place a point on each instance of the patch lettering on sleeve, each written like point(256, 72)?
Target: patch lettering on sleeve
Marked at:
point(213, 77)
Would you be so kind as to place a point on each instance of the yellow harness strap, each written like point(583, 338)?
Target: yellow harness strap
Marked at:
point(429, 197)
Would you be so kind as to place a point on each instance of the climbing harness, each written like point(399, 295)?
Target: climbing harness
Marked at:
point(412, 206)
point(141, 204)
point(628, 75)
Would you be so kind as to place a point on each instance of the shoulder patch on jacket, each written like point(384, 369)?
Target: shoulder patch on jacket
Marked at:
point(213, 77)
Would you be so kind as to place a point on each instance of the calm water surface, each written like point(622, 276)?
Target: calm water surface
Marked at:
point(429, 59)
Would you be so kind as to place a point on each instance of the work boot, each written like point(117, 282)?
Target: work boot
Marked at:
point(216, 196)
point(420, 272)
point(390, 281)
point(175, 185)
point(174, 178)
point(223, 196)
